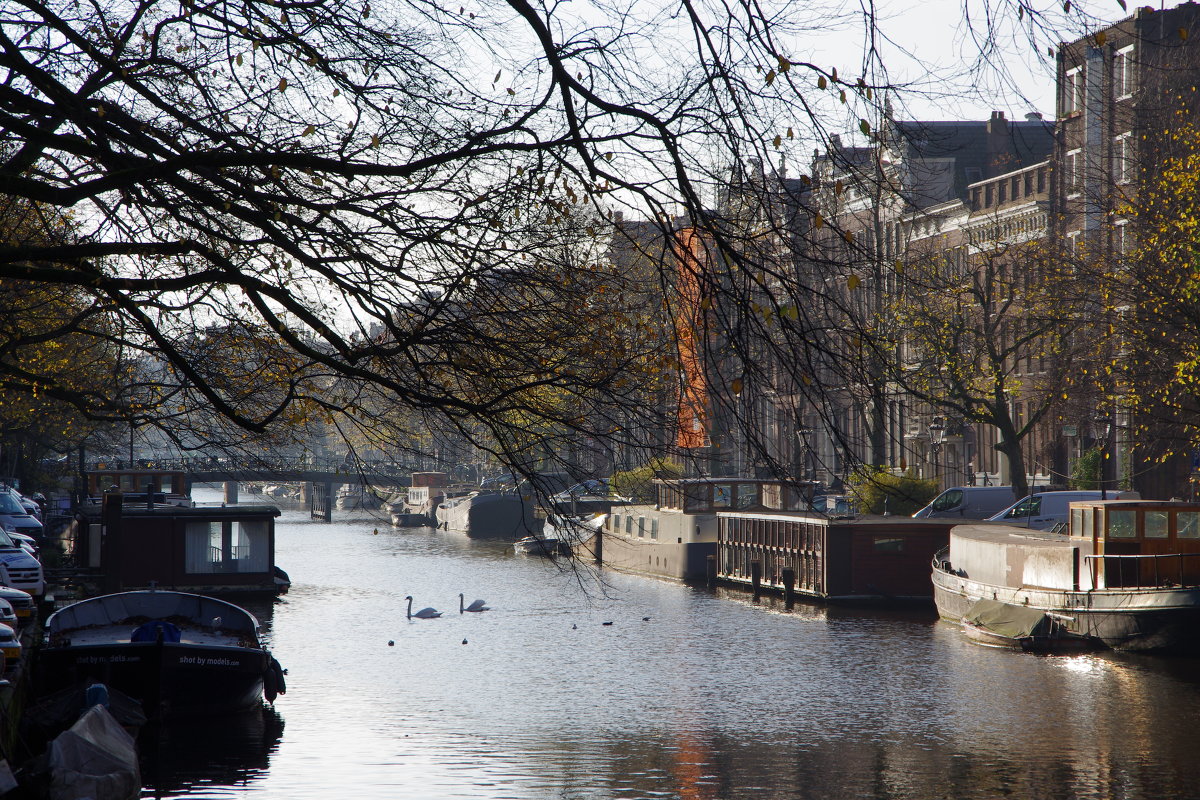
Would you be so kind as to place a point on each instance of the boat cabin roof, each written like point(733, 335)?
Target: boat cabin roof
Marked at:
point(1132, 520)
point(135, 480)
point(710, 495)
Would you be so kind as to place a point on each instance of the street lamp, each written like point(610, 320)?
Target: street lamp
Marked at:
point(937, 437)
point(802, 435)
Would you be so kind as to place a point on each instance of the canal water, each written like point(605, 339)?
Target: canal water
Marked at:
point(688, 693)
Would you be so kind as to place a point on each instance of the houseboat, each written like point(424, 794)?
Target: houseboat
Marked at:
point(836, 559)
point(506, 513)
point(178, 653)
point(205, 549)
point(674, 537)
point(425, 493)
point(1125, 575)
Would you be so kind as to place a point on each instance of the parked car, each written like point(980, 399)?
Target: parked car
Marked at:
point(19, 569)
point(21, 602)
point(8, 615)
point(13, 513)
point(10, 646)
point(1044, 510)
point(968, 502)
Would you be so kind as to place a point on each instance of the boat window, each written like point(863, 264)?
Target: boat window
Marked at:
point(614, 522)
point(747, 495)
point(629, 524)
point(654, 528)
point(641, 527)
point(1187, 524)
point(695, 497)
point(1089, 527)
point(1122, 524)
point(1157, 524)
point(1077, 521)
point(722, 495)
point(947, 500)
point(213, 546)
point(889, 544)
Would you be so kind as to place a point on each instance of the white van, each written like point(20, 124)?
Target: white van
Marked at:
point(1044, 510)
point(968, 502)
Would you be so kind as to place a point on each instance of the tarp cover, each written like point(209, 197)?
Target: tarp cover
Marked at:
point(1005, 619)
point(96, 758)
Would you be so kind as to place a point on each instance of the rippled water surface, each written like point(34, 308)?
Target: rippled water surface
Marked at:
point(713, 696)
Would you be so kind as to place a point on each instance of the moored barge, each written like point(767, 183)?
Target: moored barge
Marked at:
point(1126, 574)
point(868, 559)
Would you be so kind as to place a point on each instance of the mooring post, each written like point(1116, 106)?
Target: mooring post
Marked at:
point(711, 571)
point(329, 501)
point(789, 586)
point(756, 578)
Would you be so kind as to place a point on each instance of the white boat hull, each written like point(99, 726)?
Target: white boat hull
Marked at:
point(1122, 619)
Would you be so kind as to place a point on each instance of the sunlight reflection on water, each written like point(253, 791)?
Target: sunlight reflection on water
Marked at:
point(713, 697)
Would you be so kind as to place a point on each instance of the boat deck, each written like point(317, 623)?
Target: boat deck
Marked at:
point(109, 634)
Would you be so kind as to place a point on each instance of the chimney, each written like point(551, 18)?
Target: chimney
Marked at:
point(1033, 116)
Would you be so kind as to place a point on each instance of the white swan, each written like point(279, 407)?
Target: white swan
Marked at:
point(476, 605)
point(424, 613)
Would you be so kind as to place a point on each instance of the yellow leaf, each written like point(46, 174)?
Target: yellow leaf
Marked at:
point(374, 140)
point(736, 385)
point(853, 282)
point(282, 84)
point(511, 91)
point(864, 126)
point(770, 77)
point(309, 131)
point(778, 140)
point(821, 82)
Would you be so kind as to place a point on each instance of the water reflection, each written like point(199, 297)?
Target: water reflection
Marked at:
point(715, 696)
point(182, 758)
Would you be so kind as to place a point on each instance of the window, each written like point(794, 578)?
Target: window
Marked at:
point(1157, 524)
point(654, 528)
point(1123, 158)
point(1073, 177)
point(1029, 507)
point(1122, 524)
point(889, 544)
point(1002, 193)
point(1072, 99)
point(1122, 73)
point(211, 547)
point(641, 527)
point(1187, 524)
point(1121, 243)
point(1028, 183)
point(722, 495)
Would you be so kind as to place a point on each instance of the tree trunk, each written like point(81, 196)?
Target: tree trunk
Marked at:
point(1011, 448)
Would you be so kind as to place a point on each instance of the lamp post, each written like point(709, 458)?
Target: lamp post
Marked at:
point(803, 433)
point(937, 437)
point(1102, 426)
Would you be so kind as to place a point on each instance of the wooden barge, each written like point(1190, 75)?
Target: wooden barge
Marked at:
point(871, 559)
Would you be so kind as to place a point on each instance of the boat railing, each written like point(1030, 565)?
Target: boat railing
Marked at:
point(941, 560)
point(1168, 569)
